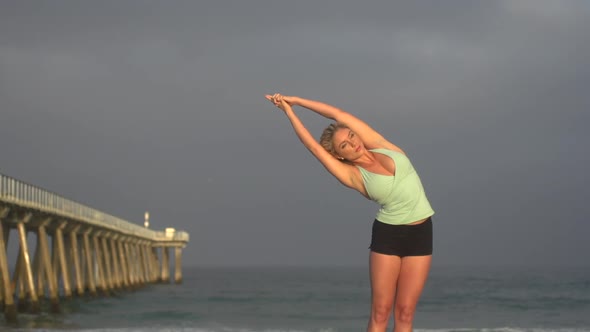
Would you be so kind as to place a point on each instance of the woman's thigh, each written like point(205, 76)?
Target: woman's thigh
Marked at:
point(412, 278)
point(384, 270)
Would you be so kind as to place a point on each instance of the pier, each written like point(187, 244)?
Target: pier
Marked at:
point(68, 249)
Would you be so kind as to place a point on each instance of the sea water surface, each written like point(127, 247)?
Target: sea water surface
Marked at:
point(330, 299)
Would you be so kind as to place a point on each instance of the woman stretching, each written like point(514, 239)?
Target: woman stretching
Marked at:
point(401, 240)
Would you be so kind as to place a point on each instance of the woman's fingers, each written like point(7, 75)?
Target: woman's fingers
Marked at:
point(272, 99)
point(276, 99)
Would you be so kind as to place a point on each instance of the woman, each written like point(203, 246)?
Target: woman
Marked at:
point(401, 241)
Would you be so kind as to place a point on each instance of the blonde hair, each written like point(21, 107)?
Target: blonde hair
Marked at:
point(327, 138)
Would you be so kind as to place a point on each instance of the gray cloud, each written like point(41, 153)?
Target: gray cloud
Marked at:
point(133, 106)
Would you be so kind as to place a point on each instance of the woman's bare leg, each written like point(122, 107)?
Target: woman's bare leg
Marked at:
point(384, 270)
point(412, 278)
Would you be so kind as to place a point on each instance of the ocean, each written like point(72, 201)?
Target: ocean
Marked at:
point(330, 299)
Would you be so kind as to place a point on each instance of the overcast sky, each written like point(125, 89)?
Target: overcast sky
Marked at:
point(128, 106)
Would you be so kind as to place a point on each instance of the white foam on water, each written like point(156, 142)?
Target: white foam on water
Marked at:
point(506, 329)
point(233, 329)
point(165, 329)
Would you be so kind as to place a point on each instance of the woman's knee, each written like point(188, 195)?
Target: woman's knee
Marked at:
point(381, 312)
point(404, 313)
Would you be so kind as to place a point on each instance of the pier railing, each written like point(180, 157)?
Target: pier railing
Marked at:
point(16, 192)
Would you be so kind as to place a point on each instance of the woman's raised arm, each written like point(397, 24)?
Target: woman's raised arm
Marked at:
point(370, 137)
point(343, 172)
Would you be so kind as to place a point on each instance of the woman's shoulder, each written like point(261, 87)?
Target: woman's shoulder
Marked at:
point(386, 151)
point(397, 156)
point(385, 145)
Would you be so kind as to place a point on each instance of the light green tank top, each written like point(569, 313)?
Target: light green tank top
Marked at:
point(401, 196)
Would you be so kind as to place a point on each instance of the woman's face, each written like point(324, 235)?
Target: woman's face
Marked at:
point(347, 144)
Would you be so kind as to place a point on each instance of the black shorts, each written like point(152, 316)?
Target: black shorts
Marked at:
point(402, 240)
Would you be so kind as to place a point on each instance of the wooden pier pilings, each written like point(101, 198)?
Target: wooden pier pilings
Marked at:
point(66, 249)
